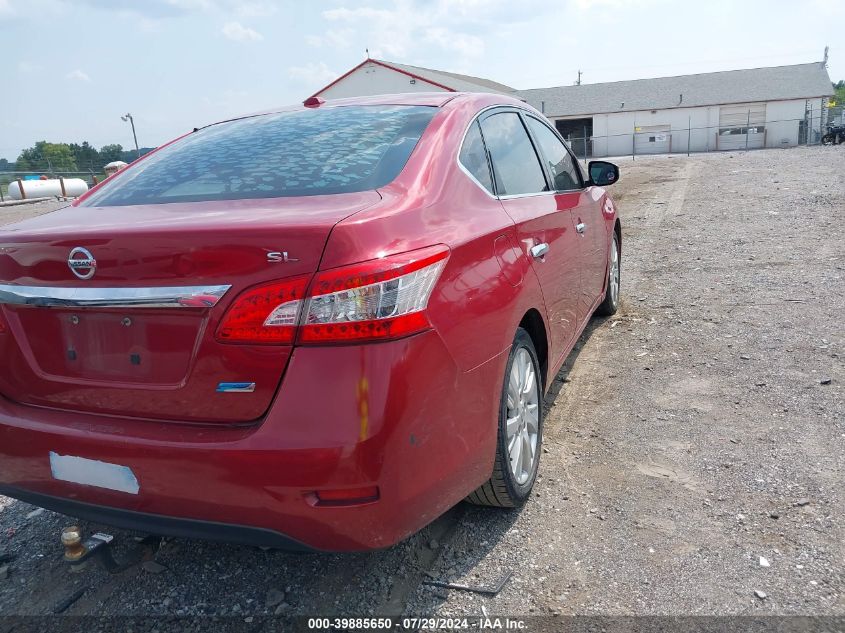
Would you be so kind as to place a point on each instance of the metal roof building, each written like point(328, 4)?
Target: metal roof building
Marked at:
point(779, 83)
point(738, 109)
point(375, 76)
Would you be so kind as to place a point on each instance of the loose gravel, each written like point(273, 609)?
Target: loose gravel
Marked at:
point(689, 438)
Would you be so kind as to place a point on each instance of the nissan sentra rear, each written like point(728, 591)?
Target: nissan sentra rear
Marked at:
point(312, 328)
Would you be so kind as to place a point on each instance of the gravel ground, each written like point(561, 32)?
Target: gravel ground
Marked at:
point(693, 451)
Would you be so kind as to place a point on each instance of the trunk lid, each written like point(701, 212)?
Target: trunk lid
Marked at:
point(133, 333)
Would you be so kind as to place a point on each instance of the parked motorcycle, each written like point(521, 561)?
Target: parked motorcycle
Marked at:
point(835, 134)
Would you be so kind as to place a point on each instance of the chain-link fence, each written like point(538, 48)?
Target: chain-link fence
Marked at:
point(746, 132)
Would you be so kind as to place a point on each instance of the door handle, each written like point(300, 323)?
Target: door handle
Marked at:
point(581, 227)
point(538, 250)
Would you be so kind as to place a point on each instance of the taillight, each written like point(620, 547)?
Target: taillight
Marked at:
point(264, 314)
point(380, 299)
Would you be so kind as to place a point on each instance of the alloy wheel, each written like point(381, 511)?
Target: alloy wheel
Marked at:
point(522, 416)
point(614, 272)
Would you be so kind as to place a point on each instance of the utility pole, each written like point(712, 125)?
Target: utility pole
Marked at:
point(578, 83)
point(129, 118)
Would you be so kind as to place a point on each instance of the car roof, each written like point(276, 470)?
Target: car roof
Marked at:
point(433, 99)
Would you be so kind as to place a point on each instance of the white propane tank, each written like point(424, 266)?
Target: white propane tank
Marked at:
point(47, 188)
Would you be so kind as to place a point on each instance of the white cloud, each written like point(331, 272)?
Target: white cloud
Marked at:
point(240, 33)
point(313, 74)
point(254, 9)
point(78, 75)
point(333, 38)
point(413, 30)
point(461, 43)
point(189, 5)
point(586, 5)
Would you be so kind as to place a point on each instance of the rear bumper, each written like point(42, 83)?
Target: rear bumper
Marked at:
point(398, 415)
point(158, 524)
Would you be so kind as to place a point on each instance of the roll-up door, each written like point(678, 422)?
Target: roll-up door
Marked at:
point(742, 126)
point(653, 139)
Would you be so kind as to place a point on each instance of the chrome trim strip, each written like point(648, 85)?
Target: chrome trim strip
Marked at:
point(159, 297)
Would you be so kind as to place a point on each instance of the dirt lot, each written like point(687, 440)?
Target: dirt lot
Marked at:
point(695, 443)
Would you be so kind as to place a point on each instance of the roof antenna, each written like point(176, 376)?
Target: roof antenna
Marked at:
point(578, 82)
point(826, 51)
point(681, 99)
point(368, 52)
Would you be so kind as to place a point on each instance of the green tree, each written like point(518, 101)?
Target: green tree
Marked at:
point(130, 154)
point(839, 89)
point(47, 156)
point(86, 156)
point(110, 153)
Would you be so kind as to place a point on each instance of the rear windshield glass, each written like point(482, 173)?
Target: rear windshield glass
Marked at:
point(303, 153)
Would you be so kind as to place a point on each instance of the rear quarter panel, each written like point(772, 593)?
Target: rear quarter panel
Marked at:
point(485, 288)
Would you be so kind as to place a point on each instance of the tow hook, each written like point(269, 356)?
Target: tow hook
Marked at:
point(79, 550)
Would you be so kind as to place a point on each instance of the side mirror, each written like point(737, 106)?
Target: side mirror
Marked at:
point(602, 173)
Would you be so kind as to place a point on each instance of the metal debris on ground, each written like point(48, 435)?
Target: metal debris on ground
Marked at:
point(488, 591)
point(67, 603)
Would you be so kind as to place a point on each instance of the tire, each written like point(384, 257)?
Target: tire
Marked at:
point(828, 139)
point(614, 269)
point(510, 487)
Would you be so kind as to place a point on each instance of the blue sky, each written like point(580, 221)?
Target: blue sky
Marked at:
point(71, 68)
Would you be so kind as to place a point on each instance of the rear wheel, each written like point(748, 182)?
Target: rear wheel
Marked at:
point(520, 433)
point(828, 139)
point(611, 296)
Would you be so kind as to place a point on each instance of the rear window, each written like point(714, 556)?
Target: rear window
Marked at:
point(302, 153)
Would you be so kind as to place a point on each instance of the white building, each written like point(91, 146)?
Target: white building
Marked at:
point(738, 109)
point(378, 77)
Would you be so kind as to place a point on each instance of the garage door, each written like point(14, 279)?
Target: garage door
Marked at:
point(653, 139)
point(738, 124)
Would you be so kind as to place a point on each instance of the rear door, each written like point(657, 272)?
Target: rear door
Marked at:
point(544, 221)
point(585, 209)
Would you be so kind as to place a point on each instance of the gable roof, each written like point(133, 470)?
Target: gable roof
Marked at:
point(452, 82)
point(801, 81)
point(458, 83)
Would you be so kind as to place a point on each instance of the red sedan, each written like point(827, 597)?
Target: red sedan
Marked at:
point(319, 327)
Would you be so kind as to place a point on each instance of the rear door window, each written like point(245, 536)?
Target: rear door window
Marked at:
point(516, 167)
point(474, 157)
point(301, 153)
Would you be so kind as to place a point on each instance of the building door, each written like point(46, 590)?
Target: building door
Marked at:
point(578, 133)
point(653, 139)
point(742, 126)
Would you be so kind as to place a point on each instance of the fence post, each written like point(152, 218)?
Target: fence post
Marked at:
point(689, 134)
point(585, 145)
point(20, 186)
point(634, 143)
point(747, 125)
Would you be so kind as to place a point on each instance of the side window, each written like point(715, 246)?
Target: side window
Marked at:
point(474, 158)
point(515, 163)
point(561, 165)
